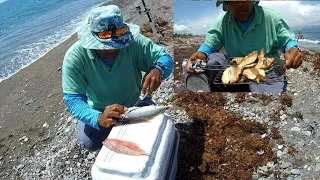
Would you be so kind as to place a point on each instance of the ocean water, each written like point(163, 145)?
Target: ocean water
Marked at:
point(309, 40)
point(30, 28)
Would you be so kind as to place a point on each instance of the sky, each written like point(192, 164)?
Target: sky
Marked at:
point(196, 17)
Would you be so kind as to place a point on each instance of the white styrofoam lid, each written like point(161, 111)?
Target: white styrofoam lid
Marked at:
point(147, 135)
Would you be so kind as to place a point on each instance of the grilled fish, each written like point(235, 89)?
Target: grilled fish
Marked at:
point(254, 74)
point(231, 74)
point(237, 60)
point(264, 63)
point(249, 59)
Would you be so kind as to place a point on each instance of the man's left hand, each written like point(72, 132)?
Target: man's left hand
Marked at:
point(151, 82)
point(293, 58)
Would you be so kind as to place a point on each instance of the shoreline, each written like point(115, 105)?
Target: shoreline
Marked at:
point(54, 46)
point(34, 92)
point(64, 38)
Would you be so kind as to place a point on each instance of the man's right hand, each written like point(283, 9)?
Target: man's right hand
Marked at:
point(110, 115)
point(194, 57)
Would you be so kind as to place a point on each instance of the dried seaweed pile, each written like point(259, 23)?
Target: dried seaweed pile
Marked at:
point(219, 144)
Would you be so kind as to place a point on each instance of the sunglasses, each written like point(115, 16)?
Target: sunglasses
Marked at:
point(114, 33)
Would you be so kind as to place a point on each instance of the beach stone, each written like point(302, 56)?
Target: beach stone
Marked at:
point(317, 168)
point(160, 101)
point(69, 119)
point(279, 153)
point(280, 147)
point(270, 164)
point(22, 138)
point(295, 129)
point(290, 178)
point(295, 171)
point(264, 168)
point(45, 125)
point(20, 167)
point(91, 156)
point(260, 152)
point(297, 178)
point(284, 165)
point(307, 133)
point(283, 117)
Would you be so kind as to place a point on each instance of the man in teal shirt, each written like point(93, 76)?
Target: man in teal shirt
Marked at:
point(101, 73)
point(244, 28)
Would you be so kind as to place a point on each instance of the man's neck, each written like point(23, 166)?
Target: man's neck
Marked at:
point(109, 55)
point(250, 17)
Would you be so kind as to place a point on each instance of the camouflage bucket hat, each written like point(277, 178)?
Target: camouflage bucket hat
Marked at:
point(106, 19)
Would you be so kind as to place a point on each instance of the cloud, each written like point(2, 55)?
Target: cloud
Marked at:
point(181, 28)
point(295, 14)
point(198, 25)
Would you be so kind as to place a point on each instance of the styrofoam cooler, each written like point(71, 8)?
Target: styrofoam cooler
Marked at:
point(158, 137)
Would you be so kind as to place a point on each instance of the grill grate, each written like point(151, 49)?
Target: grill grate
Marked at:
point(271, 78)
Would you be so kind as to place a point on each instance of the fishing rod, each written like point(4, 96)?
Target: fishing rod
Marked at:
point(300, 36)
point(154, 30)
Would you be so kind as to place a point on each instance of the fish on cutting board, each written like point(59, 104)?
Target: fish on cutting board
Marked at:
point(124, 147)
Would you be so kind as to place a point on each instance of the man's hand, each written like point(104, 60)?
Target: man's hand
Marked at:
point(194, 57)
point(293, 58)
point(151, 82)
point(110, 115)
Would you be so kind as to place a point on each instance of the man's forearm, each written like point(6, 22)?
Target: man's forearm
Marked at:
point(167, 62)
point(78, 107)
point(207, 50)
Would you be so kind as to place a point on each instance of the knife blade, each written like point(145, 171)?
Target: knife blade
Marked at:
point(141, 98)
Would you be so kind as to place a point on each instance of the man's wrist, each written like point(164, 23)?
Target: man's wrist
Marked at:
point(159, 66)
point(297, 48)
point(100, 117)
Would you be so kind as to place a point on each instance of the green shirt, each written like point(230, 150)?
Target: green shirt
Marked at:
point(267, 30)
point(84, 73)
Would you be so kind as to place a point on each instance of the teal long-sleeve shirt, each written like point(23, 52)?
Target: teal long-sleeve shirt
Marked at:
point(265, 29)
point(77, 103)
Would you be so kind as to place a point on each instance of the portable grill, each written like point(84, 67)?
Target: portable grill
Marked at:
point(272, 78)
point(277, 67)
